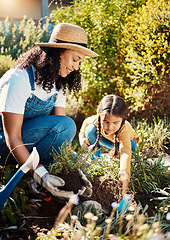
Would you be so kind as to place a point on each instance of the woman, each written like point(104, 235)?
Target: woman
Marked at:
point(33, 89)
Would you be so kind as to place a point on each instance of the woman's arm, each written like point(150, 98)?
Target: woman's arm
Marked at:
point(12, 124)
point(59, 111)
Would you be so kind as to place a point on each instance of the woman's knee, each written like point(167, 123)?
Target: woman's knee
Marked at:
point(66, 127)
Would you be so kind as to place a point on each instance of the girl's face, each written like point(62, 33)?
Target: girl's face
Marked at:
point(69, 62)
point(110, 123)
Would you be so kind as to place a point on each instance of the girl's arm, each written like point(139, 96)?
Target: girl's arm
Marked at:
point(12, 124)
point(82, 139)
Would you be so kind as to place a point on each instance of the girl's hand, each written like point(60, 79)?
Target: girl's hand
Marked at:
point(85, 144)
point(123, 182)
point(112, 153)
point(91, 148)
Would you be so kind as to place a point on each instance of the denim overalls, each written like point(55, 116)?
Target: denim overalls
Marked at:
point(40, 129)
point(91, 135)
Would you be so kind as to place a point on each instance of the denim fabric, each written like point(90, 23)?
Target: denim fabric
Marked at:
point(91, 135)
point(40, 129)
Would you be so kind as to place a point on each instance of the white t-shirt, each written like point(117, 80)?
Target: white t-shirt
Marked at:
point(15, 89)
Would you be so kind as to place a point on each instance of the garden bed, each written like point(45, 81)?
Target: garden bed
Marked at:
point(105, 191)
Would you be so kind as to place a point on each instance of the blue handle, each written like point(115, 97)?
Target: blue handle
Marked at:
point(123, 204)
point(7, 190)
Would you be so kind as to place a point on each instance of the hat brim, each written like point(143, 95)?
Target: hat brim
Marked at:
point(70, 46)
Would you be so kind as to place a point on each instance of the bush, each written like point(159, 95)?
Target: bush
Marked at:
point(102, 20)
point(6, 62)
point(147, 173)
point(145, 46)
point(153, 136)
point(14, 41)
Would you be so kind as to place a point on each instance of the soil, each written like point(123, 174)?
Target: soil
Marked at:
point(105, 191)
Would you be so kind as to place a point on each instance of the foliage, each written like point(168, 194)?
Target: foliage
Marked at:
point(103, 166)
point(154, 135)
point(148, 174)
point(133, 58)
point(17, 201)
point(133, 225)
point(145, 47)
point(6, 62)
point(67, 160)
point(99, 76)
point(16, 40)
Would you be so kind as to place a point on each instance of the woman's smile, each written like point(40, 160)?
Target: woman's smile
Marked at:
point(69, 61)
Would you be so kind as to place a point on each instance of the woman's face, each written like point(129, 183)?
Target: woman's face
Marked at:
point(110, 123)
point(69, 62)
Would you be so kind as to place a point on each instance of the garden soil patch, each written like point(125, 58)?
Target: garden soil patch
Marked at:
point(105, 191)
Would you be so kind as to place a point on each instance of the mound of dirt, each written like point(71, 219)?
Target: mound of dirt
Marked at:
point(106, 191)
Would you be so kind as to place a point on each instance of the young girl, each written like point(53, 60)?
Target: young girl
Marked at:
point(110, 129)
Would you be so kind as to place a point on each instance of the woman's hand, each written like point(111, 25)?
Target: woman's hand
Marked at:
point(123, 182)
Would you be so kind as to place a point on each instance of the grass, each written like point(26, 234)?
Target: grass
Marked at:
point(153, 136)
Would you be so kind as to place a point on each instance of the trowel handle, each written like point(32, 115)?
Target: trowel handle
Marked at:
point(124, 204)
point(7, 190)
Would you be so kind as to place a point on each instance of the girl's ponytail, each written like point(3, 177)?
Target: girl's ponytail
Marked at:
point(115, 152)
point(98, 133)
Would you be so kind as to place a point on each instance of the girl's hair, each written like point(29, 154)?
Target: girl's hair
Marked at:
point(46, 61)
point(111, 105)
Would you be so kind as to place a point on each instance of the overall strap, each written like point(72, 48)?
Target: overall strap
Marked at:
point(31, 77)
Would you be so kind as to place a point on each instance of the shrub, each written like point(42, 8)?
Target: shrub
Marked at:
point(6, 62)
point(145, 46)
point(154, 135)
point(67, 160)
point(102, 20)
point(16, 40)
point(147, 173)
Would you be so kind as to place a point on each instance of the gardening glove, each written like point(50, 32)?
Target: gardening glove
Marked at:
point(86, 190)
point(50, 182)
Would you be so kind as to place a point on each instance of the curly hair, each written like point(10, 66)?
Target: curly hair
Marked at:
point(46, 61)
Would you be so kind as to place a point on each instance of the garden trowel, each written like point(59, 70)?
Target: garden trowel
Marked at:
point(124, 203)
point(31, 163)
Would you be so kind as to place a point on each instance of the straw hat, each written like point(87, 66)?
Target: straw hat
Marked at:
point(69, 36)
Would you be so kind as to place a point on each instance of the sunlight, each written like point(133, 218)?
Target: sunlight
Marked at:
point(7, 4)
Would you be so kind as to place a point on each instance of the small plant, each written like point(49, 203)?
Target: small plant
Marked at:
point(153, 136)
point(147, 173)
point(67, 160)
point(103, 166)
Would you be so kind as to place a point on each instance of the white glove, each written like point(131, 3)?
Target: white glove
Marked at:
point(86, 190)
point(50, 182)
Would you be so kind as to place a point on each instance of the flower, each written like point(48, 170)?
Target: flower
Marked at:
point(115, 205)
point(88, 215)
point(168, 216)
